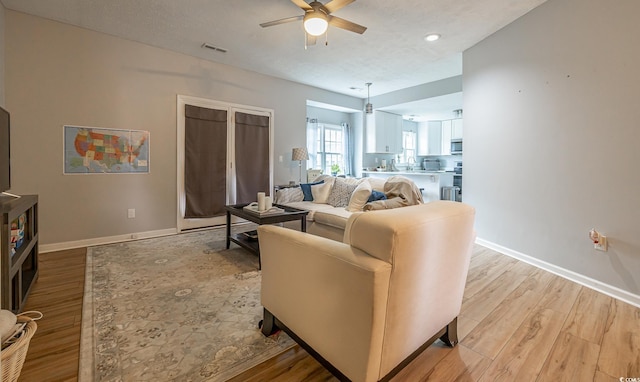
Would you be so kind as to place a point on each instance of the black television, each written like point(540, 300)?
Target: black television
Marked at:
point(5, 151)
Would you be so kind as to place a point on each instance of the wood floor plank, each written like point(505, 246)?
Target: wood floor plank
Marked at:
point(603, 377)
point(427, 361)
point(494, 331)
point(620, 350)
point(485, 273)
point(460, 364)
point(524, 354)
point(54, 350)
point(488, 298)
point(572, 359)
point(465, 326)
point(561, 295)
point(589, 315)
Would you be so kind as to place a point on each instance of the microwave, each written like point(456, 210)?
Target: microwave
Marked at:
point(456, 146)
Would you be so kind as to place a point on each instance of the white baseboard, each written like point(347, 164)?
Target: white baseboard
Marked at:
point(599, 286)
point(43, 248)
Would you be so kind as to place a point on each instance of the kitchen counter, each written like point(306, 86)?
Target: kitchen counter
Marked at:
point(431, 182)
point(405, 172)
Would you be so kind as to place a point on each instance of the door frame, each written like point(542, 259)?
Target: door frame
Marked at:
point(231, 108)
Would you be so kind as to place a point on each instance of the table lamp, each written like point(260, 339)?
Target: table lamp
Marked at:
point(300, 154)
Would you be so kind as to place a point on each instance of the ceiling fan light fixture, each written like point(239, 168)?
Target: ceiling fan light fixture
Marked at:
point(315, 23)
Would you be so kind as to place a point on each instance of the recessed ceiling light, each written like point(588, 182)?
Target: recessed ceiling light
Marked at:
point(432, 37)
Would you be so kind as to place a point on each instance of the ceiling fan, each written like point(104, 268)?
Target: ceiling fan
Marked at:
point(317, 18)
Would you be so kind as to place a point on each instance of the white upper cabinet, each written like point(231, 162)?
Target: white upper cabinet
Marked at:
point(456, 128)
point(430, 138)
point(446, 137)
point(384, 132)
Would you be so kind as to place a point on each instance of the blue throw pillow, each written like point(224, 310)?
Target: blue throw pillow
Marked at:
point(376, 195)
point(306, 190)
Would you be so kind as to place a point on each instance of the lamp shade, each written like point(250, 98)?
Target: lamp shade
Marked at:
point(299, 153)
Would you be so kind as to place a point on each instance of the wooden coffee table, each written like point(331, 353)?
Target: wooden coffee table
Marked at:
point(252, 245)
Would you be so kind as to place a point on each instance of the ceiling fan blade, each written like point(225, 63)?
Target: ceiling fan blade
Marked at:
point(302, 4)
point(334, 5)
point(281, 21)
point(345, 24)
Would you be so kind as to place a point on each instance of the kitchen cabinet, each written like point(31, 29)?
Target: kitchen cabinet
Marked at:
point(384, 133)
point(446, 137)
point(456, 128)
point(430, 138)
point(451, 129)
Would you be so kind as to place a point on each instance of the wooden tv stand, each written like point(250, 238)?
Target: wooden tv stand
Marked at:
point(19, 270)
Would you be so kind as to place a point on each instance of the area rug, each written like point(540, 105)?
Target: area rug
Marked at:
point(176, 308)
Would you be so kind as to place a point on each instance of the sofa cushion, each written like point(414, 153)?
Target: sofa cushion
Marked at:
point(306, 190)
point(335, 217)
point(341, 192)
point(376, 183)
point(321, 192)
point(289, 195)
point(311, 207)
point(359, 197)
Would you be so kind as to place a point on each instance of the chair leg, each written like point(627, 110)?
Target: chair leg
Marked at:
point(268, 323)
point(450, 337)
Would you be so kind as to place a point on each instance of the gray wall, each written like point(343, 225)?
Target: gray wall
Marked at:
point(551, 137)
point(59, 74)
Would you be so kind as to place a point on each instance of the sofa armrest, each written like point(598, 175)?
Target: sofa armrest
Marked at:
point(317, 286)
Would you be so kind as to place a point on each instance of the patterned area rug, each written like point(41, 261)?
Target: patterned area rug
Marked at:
point(179, 308)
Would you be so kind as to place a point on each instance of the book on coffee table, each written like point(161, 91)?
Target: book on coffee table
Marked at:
point(251, 235)
point(271, 211)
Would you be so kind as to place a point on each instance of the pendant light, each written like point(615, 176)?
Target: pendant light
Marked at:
point(369, 107)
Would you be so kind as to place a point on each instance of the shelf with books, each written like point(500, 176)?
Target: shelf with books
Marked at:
point(19, 249)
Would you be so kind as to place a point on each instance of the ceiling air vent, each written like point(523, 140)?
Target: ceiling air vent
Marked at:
point(215, 48)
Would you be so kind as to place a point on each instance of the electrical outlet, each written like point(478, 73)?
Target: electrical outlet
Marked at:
point(131, 213)
point(280, 158)
point(601, 245)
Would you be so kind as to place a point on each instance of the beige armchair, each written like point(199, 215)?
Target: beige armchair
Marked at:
point(366, 307)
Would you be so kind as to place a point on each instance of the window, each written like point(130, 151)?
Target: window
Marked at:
point(408, 146)
point(330, 148)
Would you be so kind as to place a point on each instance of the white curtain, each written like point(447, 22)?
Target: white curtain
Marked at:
point(348, 149)
point(312, 143)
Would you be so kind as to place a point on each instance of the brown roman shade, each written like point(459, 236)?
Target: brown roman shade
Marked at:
point(205, 162)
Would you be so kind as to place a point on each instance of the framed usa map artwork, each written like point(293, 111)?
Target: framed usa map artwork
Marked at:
point(95, 150)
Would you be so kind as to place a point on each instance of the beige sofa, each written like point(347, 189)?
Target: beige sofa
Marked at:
point(325, 219)
point(365, 305)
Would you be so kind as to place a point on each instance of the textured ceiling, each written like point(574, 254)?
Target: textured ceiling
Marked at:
point(391, 54)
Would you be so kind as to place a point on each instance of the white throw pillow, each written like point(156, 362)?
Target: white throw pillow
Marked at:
point(376, 183)
point(341, 192)
point(321, 192)
point(288, 195)
point(359, 197)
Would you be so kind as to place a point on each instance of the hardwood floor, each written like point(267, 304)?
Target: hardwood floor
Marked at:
point(55, 348)
point(517, 323)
